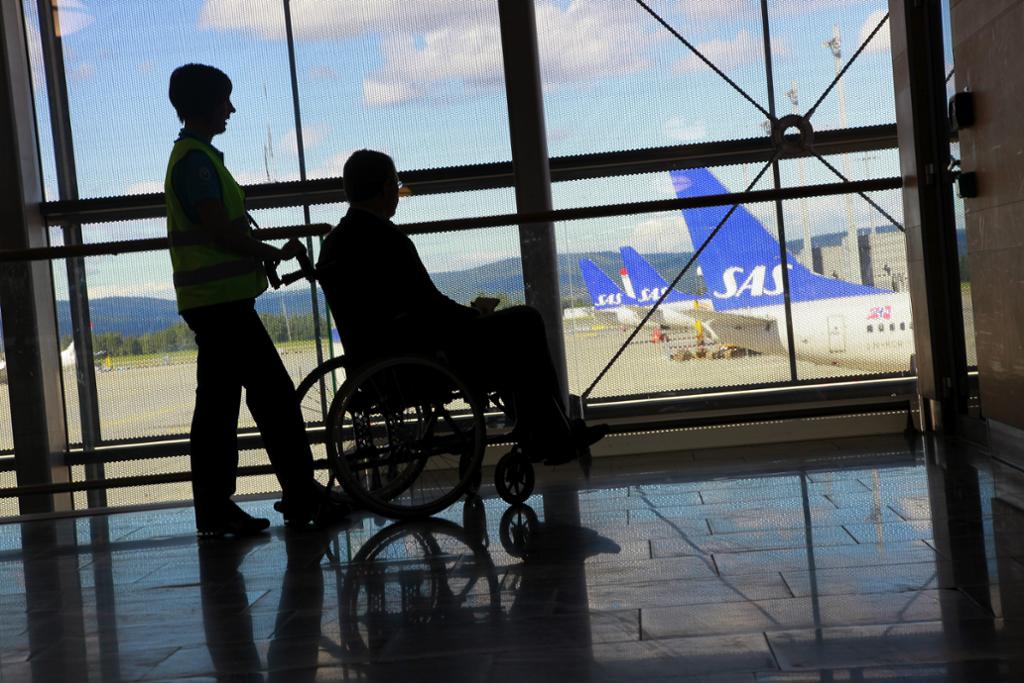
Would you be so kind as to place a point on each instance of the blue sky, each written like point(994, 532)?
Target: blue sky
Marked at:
point(421, 79)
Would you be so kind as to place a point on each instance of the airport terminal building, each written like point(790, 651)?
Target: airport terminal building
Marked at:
point(775, 249)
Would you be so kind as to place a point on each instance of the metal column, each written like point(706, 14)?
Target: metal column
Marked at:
point(26, 289)
point(780, 218)
point(67, 187)
point(920, 80)
point(531, 167)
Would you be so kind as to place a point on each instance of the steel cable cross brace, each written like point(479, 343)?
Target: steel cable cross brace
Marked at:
point(782, 144)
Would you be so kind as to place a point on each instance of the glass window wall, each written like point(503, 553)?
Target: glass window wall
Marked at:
point(616, 79)
point(424, 82)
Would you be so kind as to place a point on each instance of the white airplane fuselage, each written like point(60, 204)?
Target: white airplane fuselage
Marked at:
point(872, 332)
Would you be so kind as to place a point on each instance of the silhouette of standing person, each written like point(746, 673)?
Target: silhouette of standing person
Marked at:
point(218, 273)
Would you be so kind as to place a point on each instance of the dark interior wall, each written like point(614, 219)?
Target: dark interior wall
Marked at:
point(989, 61)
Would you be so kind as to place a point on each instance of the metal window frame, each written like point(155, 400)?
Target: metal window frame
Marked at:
point(72, 211)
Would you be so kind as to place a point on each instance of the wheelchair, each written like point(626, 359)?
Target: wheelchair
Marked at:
point(405, 436)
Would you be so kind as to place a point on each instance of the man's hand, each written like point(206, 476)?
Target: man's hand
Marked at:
point(485, 304)
point(291, 249)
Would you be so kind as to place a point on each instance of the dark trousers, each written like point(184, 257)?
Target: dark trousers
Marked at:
point(508, 351)
point(235, 351)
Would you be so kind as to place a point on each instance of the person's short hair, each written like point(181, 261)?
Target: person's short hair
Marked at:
point(196, 90)
point(367, 172)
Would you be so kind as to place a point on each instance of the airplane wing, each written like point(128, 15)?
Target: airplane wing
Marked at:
point(756, 333)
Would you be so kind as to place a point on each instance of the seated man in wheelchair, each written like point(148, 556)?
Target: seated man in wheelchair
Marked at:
point(504, 351)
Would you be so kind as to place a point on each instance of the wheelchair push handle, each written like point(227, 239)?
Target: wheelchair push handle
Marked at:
point(305, 271)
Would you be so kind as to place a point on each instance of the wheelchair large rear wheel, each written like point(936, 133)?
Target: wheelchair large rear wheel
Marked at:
point(405, 437)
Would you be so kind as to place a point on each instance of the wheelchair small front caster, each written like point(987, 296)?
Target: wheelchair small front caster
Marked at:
point(518, 526)
point(514, 477)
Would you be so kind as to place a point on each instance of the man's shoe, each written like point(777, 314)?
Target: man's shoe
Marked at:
point(582, 437)
point(585, 436)
point(324, 508)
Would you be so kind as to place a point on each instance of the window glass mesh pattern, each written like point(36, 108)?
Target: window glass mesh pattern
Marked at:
point(122, 121)
point(421, 80)
point(678, 350)
point(820, 233)
point(615, 79)
point(811, 35)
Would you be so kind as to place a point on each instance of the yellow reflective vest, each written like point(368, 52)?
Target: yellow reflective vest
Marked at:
point(204, 273)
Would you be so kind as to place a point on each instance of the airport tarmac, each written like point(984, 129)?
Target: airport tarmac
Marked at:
point(157, 401)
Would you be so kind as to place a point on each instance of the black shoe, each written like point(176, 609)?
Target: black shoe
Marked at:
point(585, 436)
point(239, 525)
point(323, 508)
point(582, 437)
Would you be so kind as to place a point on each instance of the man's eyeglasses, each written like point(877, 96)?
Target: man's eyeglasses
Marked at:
point(403, 191)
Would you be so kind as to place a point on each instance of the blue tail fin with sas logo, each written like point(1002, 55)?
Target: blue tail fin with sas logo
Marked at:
point(648, 285)
point(604, 293)
point(741, 265)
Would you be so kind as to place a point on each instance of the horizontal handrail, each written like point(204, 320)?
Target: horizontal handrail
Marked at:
point(489, 176)
point(478, 222)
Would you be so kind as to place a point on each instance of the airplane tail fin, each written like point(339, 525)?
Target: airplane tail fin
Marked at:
point(604, 293)
point(741, 265)
point(648, 283)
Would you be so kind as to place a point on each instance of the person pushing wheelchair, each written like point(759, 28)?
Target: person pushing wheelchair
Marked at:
point(218, 273)
point(504, 351)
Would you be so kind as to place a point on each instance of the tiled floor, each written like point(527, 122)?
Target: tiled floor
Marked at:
point(856, 560)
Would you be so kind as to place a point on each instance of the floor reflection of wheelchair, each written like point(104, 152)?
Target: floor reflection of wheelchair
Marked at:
point(418, 581)
point(405, 436)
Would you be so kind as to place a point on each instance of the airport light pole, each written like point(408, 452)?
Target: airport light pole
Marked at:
point(808, 256)
point(835, 44)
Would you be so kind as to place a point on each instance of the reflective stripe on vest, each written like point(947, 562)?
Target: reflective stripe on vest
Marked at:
point(204, 273)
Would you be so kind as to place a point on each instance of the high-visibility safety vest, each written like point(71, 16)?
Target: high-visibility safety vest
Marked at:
point(204, 273)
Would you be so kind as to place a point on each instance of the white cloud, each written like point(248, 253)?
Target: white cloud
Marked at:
point(661, 234)
point(726, 54)
point(718, 9)
point(679, 129)
point(585, 40)
point(312, 136)
point(160, 289)
point(333, 166)
point(578, 43)
point(145, 187)
point(882, 41)
point(381, 93)
point(344, 18)
point(745, 9)
point(429, 46)
point(72, 16)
